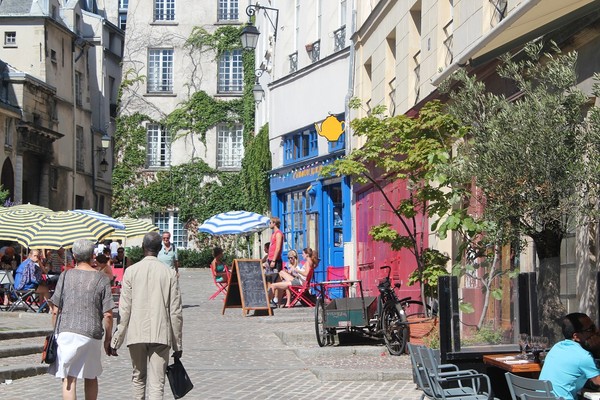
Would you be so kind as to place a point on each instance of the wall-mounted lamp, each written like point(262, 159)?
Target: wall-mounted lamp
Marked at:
point(257, 91)
point(250, 33)
point(105, 144)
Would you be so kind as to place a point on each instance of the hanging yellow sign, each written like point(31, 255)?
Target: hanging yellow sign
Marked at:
point(331, 128)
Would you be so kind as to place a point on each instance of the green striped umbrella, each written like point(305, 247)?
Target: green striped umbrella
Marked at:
point(62, 228)
point(13, 223)
point(26, 207)
point(133, 228)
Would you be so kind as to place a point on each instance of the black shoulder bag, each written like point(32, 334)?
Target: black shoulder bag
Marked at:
point(50, 345)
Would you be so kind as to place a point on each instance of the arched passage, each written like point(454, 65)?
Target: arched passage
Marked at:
point(7, 179)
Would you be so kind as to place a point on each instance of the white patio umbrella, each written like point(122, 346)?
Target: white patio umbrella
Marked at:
point(102, 217)
point(235, 223)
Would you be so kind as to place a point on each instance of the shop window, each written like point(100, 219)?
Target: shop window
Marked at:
point(300, 146)
point(295, 206)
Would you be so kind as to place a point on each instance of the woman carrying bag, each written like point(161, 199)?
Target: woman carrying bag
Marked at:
point(87, 306)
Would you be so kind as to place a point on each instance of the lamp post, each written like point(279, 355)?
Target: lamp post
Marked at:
point(250, 33)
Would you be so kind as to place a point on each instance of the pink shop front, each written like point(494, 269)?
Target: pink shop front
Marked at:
point(371, 210)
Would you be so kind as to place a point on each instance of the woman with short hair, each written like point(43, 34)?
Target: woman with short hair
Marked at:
point(86, 309)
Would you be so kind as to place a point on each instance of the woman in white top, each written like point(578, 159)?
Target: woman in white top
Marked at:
point(296, 274)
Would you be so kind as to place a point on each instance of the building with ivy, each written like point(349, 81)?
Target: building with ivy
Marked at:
point(181, 116)
point(61, 72)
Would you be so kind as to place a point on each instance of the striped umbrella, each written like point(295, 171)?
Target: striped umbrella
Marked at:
point(234, 223)
point(27, 207)
point(133, 228)
point(62, 228)
point(102, 217)
point(13, 222)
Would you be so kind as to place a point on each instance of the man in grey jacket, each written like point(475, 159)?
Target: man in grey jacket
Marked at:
point(151, 317)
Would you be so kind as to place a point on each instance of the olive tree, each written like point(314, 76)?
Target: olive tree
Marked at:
point(535, 157)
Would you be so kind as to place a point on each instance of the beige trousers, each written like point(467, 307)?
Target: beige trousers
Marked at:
point(149, 362)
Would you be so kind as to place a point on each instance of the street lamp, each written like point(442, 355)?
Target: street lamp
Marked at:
point(105, 144)
point(250, 33)
point(257, 91)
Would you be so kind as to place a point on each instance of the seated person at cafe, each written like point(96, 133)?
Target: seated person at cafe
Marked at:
point(218, 265)
point(59, 259)
point(120, 261)
point(104, 264)
point(29, 276)
point(570, 363)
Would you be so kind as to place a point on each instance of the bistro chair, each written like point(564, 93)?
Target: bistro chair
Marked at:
point(540, 397)
point(302, 293)
point(221, 280)
point(466, 384)
point(519, 386)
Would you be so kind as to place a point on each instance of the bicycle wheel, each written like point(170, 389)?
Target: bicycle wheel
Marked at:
point(416, 309)
point(395, 331)
point(320, 329)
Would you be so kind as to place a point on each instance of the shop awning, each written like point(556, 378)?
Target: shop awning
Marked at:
point(527, 21)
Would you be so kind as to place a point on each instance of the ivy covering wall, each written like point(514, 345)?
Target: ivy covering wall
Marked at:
point(196, 190)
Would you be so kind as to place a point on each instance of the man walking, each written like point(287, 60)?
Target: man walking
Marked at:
point(168, 253)
point(151, 317)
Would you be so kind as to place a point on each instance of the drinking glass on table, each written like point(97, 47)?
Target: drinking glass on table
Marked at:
point(523, 343)
point(544, 342)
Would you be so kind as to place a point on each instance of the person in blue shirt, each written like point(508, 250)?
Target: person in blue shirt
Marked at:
point(569, 364)
point(29, 275)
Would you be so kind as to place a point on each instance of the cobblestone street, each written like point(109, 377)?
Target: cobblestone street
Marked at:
point(235, 357)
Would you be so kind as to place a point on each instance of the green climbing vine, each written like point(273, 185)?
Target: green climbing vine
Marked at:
point(195, 189)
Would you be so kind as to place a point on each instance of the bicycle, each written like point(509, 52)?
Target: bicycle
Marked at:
point(394, 314)
point(384, 315)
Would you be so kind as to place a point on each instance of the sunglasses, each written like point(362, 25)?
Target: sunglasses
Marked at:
point(292, 257)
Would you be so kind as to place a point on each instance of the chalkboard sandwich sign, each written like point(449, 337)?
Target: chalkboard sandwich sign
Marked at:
point(247, 288)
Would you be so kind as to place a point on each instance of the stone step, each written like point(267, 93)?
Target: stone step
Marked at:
point(23, 370)
point(24, 333)
point(21, 350)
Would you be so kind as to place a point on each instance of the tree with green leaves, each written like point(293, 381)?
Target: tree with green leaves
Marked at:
point(417, 151)
point(534, 156)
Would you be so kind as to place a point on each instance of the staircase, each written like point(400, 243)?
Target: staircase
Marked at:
point(21, 347)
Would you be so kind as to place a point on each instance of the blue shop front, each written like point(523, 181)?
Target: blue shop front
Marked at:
point(314, 210)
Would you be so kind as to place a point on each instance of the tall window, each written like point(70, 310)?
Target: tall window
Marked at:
point(300, 145)
point(164, 10)
point(295, 205)
point(8, 133)
point(231, 72)
point(228, 10)
point(169, 222)
point(160, 70)
point(80, 158)
point(158, 151)
point(123, 6)
point(78, 88)
point(230, 149)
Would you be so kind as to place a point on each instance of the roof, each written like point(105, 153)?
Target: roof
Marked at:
point(16, 7)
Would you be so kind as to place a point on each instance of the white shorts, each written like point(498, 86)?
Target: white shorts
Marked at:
point(78, 356)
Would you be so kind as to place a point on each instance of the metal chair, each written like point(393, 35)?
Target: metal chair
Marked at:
point(302, 293)
point(25, 297)
point(520, 386)
point(466, 384)
point(221, 280)
point(540, 397)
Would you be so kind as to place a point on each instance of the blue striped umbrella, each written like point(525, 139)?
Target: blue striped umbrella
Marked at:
point(234, 223)
point(61, 229)
point(102, 217)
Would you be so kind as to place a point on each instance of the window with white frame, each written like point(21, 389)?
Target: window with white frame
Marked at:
point(8, 134)
point(230, 146)
point(169, 222)
point(231, 72)
point(160, 70)
point(295, 206)
point(164, 10)
point(10, 38)
point(123, 6)
point(80, 158)
point(229, 10)
point(158, 152)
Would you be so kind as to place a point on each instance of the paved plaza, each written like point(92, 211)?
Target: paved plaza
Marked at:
point(235, 357)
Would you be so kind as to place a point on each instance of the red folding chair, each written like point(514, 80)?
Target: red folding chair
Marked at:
point(221, 280)
point(302, 293)
point(337, 274)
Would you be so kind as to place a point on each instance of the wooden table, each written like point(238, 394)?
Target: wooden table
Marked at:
point(510, 363)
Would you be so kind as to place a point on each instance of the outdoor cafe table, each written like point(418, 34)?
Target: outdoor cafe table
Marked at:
point(510, 363)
